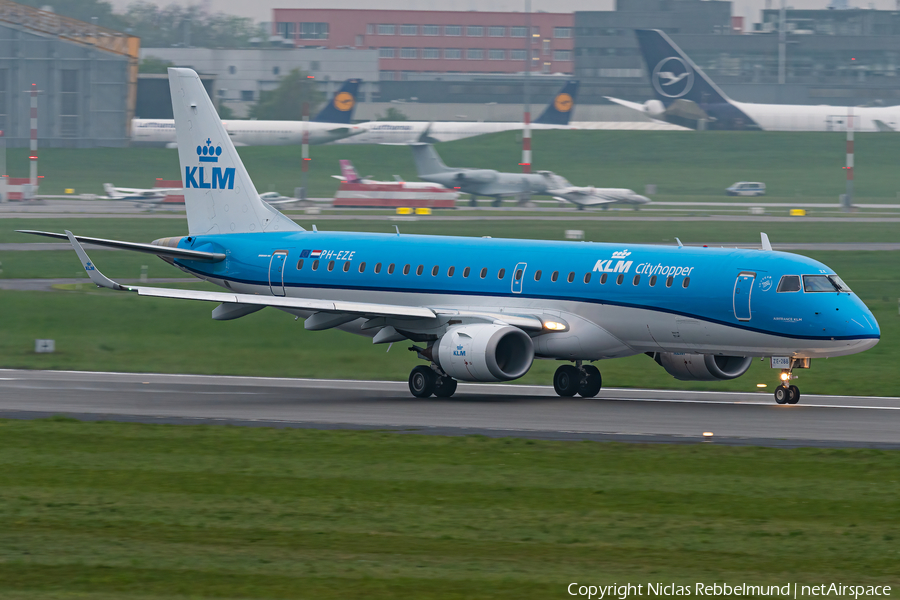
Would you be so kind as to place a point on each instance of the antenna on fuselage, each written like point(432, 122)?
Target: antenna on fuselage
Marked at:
point(314, 228)
point(680, 245)
point(397, 228)
point(766, 246)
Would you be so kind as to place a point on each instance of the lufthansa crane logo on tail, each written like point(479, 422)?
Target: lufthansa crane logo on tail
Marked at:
point(344, 101)
point(672, 77)
point(217, 179)
point(563, 102)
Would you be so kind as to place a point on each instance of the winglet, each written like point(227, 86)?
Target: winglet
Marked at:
point(96, 276)
point(765, 242)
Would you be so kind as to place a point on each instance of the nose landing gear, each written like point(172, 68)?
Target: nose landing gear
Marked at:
point(784, 393)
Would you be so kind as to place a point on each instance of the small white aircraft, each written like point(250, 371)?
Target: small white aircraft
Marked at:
point(583, 197)
point(140, 195)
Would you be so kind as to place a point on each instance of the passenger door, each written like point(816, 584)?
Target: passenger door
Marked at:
point(276, 272)
point(743, 286)
point(518, 277)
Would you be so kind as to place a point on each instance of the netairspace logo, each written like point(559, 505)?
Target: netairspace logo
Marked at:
point(718, 590)
point(221, 179)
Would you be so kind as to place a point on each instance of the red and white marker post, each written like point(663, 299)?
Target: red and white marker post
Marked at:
point(848, 196)
point(33, 176)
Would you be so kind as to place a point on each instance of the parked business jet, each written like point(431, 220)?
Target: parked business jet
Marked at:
point(140, 195)
point(481, 309)
point(332, 123)
point(555, 116)
point(685, 96)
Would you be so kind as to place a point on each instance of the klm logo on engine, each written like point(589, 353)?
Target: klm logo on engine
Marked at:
point(218, 178)
point(459, 351)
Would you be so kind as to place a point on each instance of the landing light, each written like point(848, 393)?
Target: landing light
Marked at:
point(554, 326)
point(760, 385)
point(785, 376)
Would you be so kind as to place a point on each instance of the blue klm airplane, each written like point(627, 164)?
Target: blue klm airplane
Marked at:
point(481, 309)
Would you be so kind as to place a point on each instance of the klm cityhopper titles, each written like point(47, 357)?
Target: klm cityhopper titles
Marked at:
point(478, 309)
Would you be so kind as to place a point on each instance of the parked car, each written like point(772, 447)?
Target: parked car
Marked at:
point(747, 188)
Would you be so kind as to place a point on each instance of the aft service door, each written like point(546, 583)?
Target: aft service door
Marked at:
point(518, 277)
point(276, 272)
point(743, 286)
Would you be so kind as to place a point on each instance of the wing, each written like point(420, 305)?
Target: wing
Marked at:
point(148, 248)
point(379, 315)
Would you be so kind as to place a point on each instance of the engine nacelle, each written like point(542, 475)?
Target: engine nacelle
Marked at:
point(702, 367)
point(484, 352)
point(654, 108)
point(477, 176)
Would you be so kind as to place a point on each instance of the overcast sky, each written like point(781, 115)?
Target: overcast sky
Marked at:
point(261, 10)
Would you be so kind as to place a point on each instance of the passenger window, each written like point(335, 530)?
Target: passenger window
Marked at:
point(451, 271)
point(571, 277)
point(637, 280)
point(501, 274)
point(466, 272)
point(603, 279)
point(620, 279)
point(331, 266)
point(315, 265)
point(346, 266)
point(687, 282)
point(669, 281)
point(362, 267)
point(484, 272)
point(377, 268)
point(434, 271)
point(299, 264)
point(420, 269)
point(406, 269)
point(653, 281)
point(789, 283)
point(391, 269)
point(537, 275)
point(555, 276)
point(818, 283)
point(587, 277)
point(518, 274)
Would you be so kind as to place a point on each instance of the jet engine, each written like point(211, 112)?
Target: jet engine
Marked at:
point(701, 367)
point(476, 176)
point(654, 108)
point(484, 352)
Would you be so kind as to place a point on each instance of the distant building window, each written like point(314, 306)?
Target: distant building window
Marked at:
point(359, 40)
point(370, 29)
point(431, 30)
point(475, 54)
point(475, 31)
point(247, 95)
point(387, 29)
point(452, 30)
point(518, 31)
point(562, 55)
point(276, 70)
point(386, 76)
point(68, 106)
point(517, 54)
point(409, 30)
point(536, 31)
point(546, 46)
point(496, 54)
point(232, 70)
point(285, 30)
point(313, 31)
point(562, 32)
point(497, 31)
point(431, 53)
point(385, 53)
point(452, 53)
point(409, 53)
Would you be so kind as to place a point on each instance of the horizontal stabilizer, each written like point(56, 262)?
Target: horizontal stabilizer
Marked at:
point(136, 247)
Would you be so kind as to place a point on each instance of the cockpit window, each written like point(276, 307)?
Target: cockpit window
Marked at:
point(818, 283)
point(843, 287)
point(789, 283)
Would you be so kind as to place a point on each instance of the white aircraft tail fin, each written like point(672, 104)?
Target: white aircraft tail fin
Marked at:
point(110, 190)
point(427, 159)
point(218, 194)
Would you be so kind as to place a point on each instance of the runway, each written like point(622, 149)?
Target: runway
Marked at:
point(494, 410)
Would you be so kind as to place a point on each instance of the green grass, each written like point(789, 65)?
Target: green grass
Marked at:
point(808, 165)
point(111, 510)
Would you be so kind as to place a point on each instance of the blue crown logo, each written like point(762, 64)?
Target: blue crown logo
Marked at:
point(208, 153)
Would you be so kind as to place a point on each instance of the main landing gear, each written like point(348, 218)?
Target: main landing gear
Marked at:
point(425, 381)
point(784, 393)
point(584, 380)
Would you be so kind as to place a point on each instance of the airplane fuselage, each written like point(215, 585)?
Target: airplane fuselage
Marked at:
point(248, 132)
point(618, 300)
point(409, 132)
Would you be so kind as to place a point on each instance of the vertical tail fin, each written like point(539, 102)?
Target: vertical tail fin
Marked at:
point(559, 111)
point(673, 75)
point(348, 172)
point(218, 194)
point(340, 107)
point(427, 160)
point(110, 190)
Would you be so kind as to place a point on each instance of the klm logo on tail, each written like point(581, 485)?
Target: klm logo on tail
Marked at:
point(220, 179)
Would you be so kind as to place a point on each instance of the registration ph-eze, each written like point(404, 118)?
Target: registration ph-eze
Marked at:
point(221, 179)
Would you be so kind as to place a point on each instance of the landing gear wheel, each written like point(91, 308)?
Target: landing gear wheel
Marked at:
point(422, 381)
point(590, 383)
point(445, 387)
point(781, 394)
point(566, 380)
point(793, 395)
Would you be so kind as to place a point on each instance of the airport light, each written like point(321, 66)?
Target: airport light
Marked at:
point(760, 385)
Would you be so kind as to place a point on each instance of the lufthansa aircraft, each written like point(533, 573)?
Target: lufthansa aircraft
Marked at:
point(481, 309)
point(685, 96)
point(332, 123)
